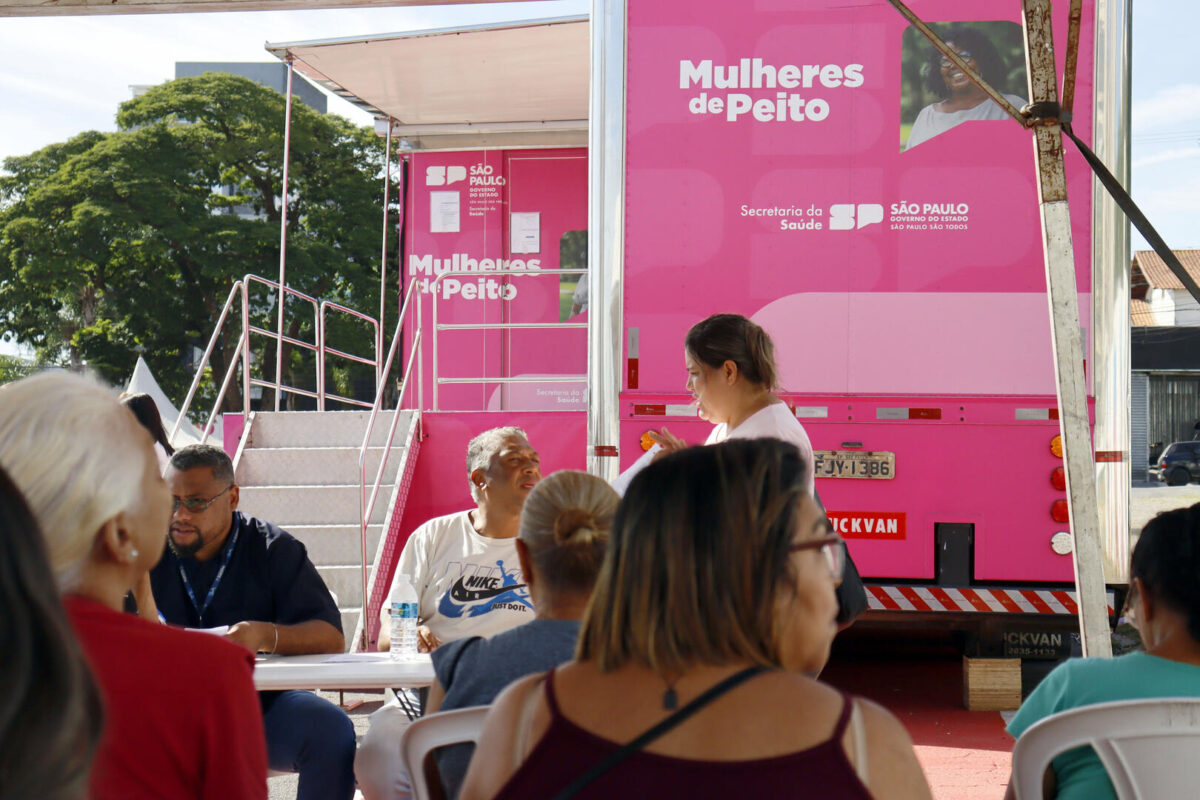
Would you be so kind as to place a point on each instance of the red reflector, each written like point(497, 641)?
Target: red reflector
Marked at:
point(1059, 511)
point(1109, 456)
point(1058, 479)
point(631, 373)
point(1054, 413)
point(606, 450)
point(649, 410)
point(924, 413)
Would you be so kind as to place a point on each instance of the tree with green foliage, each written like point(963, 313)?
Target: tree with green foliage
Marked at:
point(115, 244)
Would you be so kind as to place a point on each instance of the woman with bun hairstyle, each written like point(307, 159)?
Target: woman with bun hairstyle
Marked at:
point(563, 535)
point(732, 377)
point(1164, 605)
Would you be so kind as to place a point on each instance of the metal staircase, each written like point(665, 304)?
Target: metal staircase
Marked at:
point(317, 474)
point(300, 471)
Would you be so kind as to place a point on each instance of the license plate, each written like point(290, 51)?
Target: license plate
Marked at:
point(878, 464)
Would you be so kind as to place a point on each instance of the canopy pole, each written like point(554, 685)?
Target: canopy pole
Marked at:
point(606, 235)
point(387, 186)
point(1063, 298)
point(283, 217)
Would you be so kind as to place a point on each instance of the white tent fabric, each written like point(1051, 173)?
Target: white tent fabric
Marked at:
point(513, 84)
point(142, 382)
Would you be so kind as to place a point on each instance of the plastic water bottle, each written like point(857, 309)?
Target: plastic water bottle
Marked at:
point(404, 622)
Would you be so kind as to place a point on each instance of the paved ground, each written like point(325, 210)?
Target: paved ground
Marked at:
point(1148, 499)
point(965, 755)
point(283, 787)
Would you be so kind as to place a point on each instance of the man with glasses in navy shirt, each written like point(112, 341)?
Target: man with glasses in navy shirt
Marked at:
point(224, 568)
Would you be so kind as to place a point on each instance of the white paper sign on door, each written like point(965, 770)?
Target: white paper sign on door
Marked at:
point(444, 212)
point(525, 232)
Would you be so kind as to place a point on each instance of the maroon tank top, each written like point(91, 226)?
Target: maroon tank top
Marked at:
point(567, 751)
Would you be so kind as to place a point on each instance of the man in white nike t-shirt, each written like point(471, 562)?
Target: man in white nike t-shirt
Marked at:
point(464, 565)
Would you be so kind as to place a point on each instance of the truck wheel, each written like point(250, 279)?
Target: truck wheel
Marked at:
point(1178, 477)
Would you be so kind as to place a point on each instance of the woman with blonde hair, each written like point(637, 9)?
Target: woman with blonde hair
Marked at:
point(563, 536)
point(183, 718)
point(714, 605)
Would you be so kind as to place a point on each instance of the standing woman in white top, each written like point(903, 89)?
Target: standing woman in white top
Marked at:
point(732, 377)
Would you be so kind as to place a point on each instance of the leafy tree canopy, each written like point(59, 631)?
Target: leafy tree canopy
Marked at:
point(117, 243)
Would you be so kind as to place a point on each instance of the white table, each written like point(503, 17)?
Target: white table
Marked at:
point(345, 671)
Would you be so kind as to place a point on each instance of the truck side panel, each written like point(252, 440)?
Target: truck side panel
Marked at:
point(794, 163)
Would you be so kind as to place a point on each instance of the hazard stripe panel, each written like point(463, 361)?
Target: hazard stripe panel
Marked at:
point(974, 601)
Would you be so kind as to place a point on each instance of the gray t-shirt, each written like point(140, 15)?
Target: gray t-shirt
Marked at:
point(474, 670)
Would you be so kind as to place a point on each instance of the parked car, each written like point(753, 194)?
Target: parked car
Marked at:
point(1179, 463)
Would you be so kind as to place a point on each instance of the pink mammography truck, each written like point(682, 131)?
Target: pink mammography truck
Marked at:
point(806, 165)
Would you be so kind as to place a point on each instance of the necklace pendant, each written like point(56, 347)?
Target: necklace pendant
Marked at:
point(670, 699)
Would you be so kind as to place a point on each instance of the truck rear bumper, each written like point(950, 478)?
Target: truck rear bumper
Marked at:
point(942, 599)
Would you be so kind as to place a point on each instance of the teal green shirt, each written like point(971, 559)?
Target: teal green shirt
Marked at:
point(1086, 681)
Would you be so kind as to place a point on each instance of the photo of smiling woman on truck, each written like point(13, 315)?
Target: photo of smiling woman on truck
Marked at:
point(955, 99)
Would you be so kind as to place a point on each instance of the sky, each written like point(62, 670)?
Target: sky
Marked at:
point(63, 75)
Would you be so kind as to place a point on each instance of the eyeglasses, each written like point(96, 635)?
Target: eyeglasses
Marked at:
point(196, 506)
point(832, 547)
point(965, 55)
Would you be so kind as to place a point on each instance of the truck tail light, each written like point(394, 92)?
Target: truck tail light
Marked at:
point(1056, 446)
point(1058, 479)
point(1059, 511)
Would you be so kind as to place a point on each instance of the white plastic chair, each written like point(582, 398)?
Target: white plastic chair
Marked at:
point(1150, 748)
point(431, 732)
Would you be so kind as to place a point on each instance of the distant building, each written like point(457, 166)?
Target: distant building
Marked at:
point(1164, 357)
point(1164, 301)
point(271, 74)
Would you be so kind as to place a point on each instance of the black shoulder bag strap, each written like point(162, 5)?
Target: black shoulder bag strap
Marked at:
point(851, 593)
point(658, 730)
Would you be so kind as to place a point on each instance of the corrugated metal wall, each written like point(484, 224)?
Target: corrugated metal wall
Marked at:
point(1173, 409)
point(1139, 442)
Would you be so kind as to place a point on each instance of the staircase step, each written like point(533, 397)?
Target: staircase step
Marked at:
point(321, 428)
point(349, 622)
point(336, 545)
point(291, 506)
point(345, 582)
point(314, 465)
point(300, 470)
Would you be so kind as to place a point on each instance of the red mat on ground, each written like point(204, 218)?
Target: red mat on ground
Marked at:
point(966, 755)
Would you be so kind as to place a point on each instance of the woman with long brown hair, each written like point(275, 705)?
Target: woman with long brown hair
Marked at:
point(50, 715)
point(714, 606)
